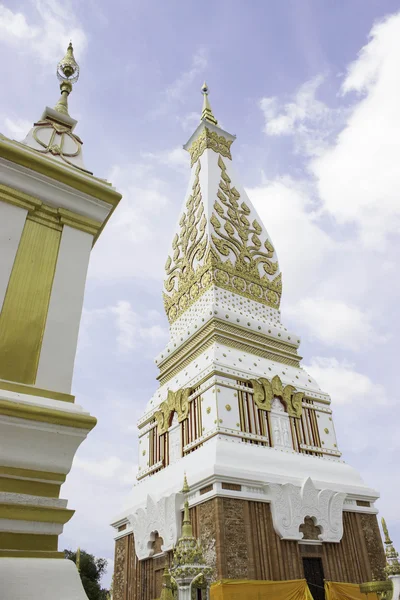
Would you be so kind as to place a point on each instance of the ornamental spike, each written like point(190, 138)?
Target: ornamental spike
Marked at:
point(67, 74)
point(207, 113)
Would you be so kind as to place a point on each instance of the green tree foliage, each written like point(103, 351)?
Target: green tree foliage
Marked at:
point(91, 570)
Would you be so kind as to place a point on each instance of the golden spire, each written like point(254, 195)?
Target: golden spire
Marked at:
point(386, 532)
point(392, 557)
point(78, 559)
point(186, 488)
point(207, 113)
point(67, 74)
point(187, 530)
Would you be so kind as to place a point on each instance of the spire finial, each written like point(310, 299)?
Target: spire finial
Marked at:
point(386, 532)
point(392, 557)
point(67, 74)
point(186, 488)
point(207, 113)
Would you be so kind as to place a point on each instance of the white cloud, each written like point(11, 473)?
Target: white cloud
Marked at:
point(17, 128)
point(345, 384)
point(176, 90)
point(112, 467)
point(189, 122)
point(48, 36)
point(135, 241)
point(358, 178)
point(286, 208)
point(292, 116)
point(176, 158)
point(137, 330)
point(335, 323)
point(132, 330)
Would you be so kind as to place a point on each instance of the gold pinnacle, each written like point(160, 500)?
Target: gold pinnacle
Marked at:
point(67, 74)
point(186, 488)
point(207, 113)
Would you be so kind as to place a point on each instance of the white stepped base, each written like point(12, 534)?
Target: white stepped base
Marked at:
point(40, 579)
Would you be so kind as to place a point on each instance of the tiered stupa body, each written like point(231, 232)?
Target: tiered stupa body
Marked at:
point(270, 496)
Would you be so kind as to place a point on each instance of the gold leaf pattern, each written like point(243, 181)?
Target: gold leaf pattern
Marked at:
point(210, 139)
point(176, 401)
point(235, 260)
point(264, 391)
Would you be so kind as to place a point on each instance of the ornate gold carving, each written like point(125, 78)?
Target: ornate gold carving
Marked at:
point(176, 401)
point(189, 248)
point(236, 237)
point(265, 391)
point(210, 139)
point(233, 260)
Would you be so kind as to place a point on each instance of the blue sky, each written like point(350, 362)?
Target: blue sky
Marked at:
point(312, 91)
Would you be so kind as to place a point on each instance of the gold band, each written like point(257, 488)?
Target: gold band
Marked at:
point(29, 512)
point(31, 474)
point(30, 554)
point(24, 314)
point(46, 415)
point(24, 156)
point(20, 388)
point(28, 541)
point(33, 488)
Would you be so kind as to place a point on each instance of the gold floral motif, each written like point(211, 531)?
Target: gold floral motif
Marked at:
point(234, 259)
point(236, 237)
point(176, 402)
point(210, 139)
point(265, 391)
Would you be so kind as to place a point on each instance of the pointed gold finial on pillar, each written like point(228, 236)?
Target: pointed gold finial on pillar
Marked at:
point(67, 74)
point(187, 531)
point(186, 488)
point(386, 532)
point(207, 113)
point(78, 559)
point(392, 557)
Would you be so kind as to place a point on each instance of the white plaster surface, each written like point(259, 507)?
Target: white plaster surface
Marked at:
point(29, 444)
point(40, 578)
point(31, 527)
point(12, 221)
point(60, 338)
point(248, 464)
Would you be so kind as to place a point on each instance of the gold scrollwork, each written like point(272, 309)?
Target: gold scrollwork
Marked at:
point(265, 391)
point(176, 402)
point(58, 149)
point(210, 139)
point(232, 261)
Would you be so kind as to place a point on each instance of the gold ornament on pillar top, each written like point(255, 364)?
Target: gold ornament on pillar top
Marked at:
point(67, 74)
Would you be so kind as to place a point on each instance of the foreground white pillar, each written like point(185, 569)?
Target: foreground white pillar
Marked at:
point(51, 212)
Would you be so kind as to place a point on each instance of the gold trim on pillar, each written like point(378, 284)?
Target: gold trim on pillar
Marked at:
point(23, 318)
point(34, 391)
point(27, 541)
point(38, 514)
point(30, 554)
point(27, 157)
point(33, 488)
point(32, 474)
point(43, 414)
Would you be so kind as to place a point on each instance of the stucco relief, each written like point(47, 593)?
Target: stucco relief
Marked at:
point(291, 504)
point(162, 517)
